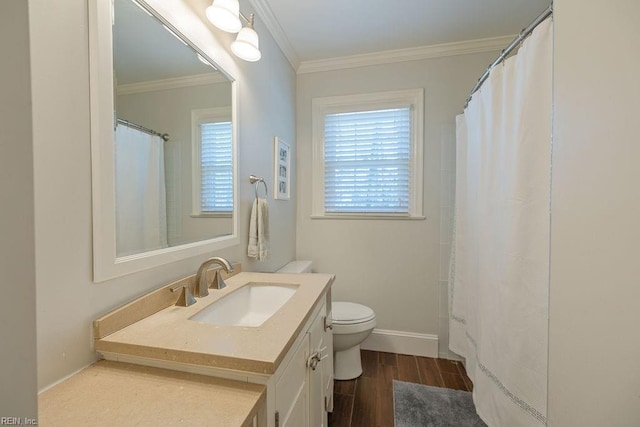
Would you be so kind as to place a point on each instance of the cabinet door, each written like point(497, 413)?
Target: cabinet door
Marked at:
point(321, 372)
point(327, 363)
point(292, 390)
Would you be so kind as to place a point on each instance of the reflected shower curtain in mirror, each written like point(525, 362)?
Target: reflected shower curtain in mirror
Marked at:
point(499, 275)
point(141, 213)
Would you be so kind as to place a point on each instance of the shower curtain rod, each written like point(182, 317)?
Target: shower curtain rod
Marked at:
point(503, 55)
point(164, 136)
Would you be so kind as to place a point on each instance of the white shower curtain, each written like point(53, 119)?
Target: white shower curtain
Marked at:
point(499, 273)
point(141, 213)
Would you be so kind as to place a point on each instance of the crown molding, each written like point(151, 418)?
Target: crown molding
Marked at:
point(264, 12)
point(408, 54)
point(173, 83)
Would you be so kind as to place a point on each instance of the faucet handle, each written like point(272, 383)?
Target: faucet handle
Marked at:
point(186, 297)
point(218, 282)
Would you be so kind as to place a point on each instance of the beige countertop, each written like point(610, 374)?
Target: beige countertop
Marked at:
point(121, 394)
point(169, 334)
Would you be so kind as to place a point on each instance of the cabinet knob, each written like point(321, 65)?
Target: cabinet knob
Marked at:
point(327, 324)
point(316, 358)
point(313, 360)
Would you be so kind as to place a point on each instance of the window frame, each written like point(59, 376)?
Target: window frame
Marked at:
point(412, 98)
point(199, 116)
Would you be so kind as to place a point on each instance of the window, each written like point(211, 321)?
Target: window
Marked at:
point(212, 162)
point(368, 155)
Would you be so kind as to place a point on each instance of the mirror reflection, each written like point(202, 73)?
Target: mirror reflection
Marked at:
point(173, 138)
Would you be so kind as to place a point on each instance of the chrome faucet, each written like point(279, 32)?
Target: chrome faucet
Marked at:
point(201, 277)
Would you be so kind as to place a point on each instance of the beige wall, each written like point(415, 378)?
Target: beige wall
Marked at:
point(17, 268)
point(390, 265)
point(594, 344)
point(67, 298)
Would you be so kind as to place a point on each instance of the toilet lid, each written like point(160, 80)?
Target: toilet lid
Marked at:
point(350, 312)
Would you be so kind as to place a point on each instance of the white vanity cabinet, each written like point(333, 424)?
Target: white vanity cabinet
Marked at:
point(290, 354)
point(303, 391)
point(292, 390)
point(321, 365)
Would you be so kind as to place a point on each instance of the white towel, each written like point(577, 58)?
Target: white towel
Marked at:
point(259, 230)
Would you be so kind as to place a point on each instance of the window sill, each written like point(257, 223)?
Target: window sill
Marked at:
point(369, 216)
point(212, 215)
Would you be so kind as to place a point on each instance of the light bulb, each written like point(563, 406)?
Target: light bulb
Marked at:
point(246, 45)
point(224, 14)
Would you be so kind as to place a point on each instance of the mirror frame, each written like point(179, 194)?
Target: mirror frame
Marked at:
point(106, 265)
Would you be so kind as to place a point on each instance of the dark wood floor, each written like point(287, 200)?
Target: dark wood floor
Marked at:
point(367, 401)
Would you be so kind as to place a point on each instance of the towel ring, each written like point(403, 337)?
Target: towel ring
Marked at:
point(257, 180)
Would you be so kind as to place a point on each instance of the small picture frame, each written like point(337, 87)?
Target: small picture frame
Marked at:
point(282, 172)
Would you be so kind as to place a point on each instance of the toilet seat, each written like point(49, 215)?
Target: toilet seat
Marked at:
point(350, 313)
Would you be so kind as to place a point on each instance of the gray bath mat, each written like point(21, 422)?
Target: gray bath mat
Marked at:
point(417, 405)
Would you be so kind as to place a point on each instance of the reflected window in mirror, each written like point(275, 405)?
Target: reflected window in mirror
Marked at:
point(212, 162)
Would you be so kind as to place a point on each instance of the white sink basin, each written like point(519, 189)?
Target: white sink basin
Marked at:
point(250, 305)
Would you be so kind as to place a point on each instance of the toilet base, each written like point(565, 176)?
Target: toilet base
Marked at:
point(347, 364)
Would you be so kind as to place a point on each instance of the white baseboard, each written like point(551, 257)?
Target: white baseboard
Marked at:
point(402, 343)
point(450, 355)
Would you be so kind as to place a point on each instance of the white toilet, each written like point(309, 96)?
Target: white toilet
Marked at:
point(297, 267)
point(352, 324)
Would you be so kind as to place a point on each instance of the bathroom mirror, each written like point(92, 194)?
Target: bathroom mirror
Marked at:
point(163, 122)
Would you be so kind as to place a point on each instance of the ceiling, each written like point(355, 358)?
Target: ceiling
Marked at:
point(317, 30)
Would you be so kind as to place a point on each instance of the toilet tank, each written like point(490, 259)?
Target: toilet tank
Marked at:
point(296, 267)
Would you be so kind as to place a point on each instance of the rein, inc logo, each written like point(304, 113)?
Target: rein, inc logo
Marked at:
point(18, 421)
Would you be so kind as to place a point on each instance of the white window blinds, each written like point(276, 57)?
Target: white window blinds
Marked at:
point(367, 161)
point(216, 190)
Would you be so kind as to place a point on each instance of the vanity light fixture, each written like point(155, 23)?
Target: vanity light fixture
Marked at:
point(225, 14)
